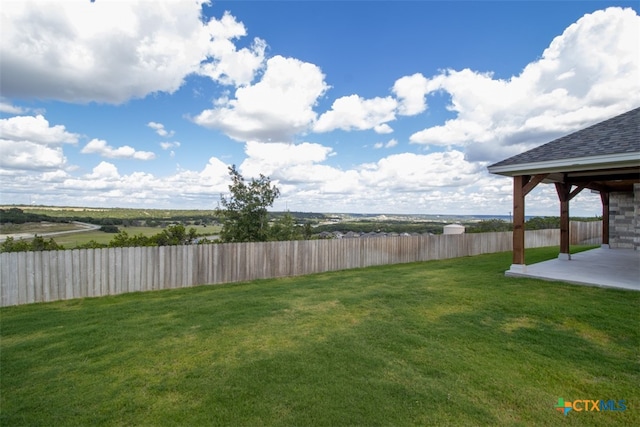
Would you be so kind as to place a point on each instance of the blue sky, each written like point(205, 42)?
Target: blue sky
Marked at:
point(353, 106)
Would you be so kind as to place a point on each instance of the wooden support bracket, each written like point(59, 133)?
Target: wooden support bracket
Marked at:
point(533, 182)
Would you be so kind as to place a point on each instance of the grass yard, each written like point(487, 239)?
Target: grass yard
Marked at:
point(450, 342)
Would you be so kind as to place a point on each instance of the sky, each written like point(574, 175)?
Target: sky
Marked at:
point(393, 107)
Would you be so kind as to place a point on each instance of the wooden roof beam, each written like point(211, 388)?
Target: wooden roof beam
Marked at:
point(533, 182)
point(577, 190)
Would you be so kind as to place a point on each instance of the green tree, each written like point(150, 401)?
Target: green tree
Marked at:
point(245, 216)
point(543, 223)
point(307, 231)
point(110, 228)
point(12, 245)
point(284, 228)
point(175, 235)
point(489, 225)
point(92, 244)
point(37, 244)
point(124, 240)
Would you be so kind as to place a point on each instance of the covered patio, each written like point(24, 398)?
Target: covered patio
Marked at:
point(606, 267)
point(603, 158)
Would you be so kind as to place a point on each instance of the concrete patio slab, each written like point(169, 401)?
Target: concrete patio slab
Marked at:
point(615, 268)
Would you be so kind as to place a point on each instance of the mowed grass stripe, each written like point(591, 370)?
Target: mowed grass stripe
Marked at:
point(435, 343)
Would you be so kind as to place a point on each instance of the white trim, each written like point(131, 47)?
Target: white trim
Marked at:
point(576, 164)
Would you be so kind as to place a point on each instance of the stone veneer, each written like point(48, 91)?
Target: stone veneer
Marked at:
point(624, 221)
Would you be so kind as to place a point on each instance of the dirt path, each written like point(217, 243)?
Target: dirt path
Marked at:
point(83, 227)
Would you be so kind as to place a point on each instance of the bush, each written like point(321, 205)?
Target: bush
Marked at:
point(110, 229)
point(37, 244)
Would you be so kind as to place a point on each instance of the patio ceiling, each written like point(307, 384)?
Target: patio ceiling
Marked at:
point(603, 180)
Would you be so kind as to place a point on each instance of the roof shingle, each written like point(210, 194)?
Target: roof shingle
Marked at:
point(617, 135)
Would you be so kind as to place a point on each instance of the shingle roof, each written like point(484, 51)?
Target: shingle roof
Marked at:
point(617, 135)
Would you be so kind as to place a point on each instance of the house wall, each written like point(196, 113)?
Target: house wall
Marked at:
point(624, 224)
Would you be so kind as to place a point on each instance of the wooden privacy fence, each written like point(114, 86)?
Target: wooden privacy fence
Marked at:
point(585, 233)
point(27, 277)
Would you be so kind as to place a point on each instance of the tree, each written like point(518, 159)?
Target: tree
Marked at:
point(245, 216)
point(37, 244)
point(307, 231)
point(110, 228)
point(175, 235)
point(284, 228)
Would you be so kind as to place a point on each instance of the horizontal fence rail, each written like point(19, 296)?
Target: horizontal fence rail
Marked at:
point(28, 277)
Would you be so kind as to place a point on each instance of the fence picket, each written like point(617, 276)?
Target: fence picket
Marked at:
point(27, 277)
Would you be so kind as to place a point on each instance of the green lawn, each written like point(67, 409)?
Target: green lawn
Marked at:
point(450, 342)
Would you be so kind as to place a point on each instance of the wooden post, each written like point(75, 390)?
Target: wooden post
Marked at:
point(518, 218)
point(564, 190)
point(604, 196)
point(522, 185)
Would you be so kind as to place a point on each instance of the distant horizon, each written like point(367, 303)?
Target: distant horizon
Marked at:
point(445, 215)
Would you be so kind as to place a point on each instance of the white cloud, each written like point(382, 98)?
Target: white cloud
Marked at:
point(7, 107)
point(411, 91)
point(277, 107)
point(401, 182)
point(104, 170)
point(112, 51)
point(382, 129)
point(99, 146)
point(30, 143)
point(420, 172)
point(216, 172)
point(36, 130)
point(169, 145)
point(275, 159)
point(27, 155)
point(106, 186)
point(587, 74)
point(391, 143)
point(388, 144)
point(55, 176)
point(232, 66)
point(160, 130)
point(355, 113)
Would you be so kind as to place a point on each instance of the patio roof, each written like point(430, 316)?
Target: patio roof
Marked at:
point(605, 156)
point(613, 268)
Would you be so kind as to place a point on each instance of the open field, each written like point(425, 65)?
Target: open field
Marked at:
point(450, 342)
point(38, 227)
point(74, 240)
point(122, 213)
point(71, 241)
